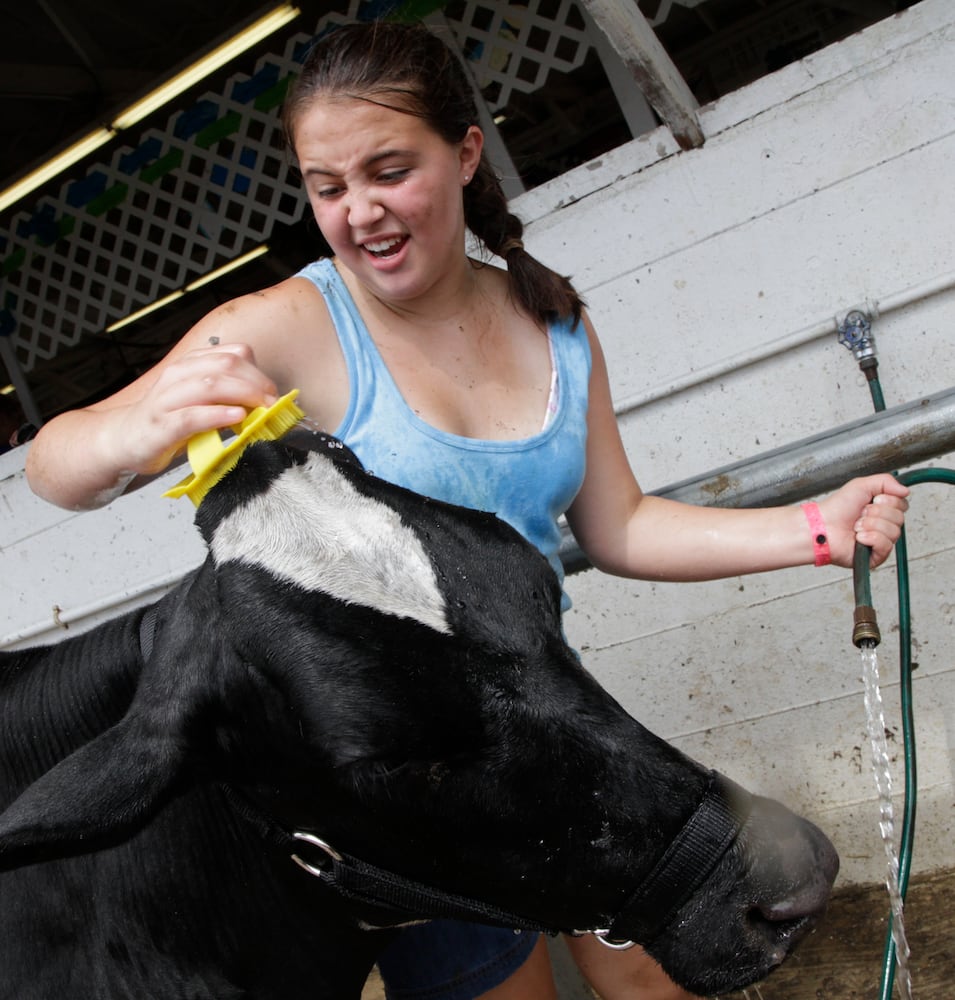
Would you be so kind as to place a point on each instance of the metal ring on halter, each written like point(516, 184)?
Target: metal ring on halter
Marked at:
point(310, 838)
point(601, 936)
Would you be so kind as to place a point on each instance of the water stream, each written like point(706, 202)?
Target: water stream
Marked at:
point(875, 725)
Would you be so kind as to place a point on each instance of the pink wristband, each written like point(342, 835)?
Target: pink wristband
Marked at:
point(820, 540)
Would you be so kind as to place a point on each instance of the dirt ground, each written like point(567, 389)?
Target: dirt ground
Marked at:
point(842, 960)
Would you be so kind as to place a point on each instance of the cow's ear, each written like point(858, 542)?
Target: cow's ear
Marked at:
point(101, 794)
point(109, 788)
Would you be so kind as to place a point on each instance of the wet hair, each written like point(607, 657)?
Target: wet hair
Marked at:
point(408, 68)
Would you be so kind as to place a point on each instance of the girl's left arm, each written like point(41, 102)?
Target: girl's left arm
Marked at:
point(625, 532)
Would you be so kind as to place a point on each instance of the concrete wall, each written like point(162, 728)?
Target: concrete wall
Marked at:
point(713, 277)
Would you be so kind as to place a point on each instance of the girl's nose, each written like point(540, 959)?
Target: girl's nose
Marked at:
point(363, 209)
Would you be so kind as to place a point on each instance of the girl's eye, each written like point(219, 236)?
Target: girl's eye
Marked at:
point(393, 176)
point(328, 192)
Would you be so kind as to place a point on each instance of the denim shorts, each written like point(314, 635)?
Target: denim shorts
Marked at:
point(451, 960)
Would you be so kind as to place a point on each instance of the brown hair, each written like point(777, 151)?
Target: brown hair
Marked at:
point(406, 67)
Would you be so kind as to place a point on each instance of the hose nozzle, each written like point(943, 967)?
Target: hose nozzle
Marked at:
point(865, 628)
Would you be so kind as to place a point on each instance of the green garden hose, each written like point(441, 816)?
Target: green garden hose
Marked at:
point(866, 631)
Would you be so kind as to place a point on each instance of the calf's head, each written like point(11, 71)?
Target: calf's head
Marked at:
point(389, 673)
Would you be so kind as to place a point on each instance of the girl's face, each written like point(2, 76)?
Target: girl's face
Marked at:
point(385, 189)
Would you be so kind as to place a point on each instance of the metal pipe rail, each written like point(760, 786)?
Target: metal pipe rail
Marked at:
point(895, 438)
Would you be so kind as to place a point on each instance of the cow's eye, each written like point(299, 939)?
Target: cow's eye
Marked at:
point(374, 771)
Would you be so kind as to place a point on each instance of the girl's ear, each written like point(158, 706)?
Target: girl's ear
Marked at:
point(470, 152)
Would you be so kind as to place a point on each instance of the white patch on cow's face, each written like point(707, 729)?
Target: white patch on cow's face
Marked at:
point(314, 529)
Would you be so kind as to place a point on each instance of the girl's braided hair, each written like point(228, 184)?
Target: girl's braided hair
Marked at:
point(408, 68)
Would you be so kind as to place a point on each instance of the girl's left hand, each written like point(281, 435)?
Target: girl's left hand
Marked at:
point(871, 511)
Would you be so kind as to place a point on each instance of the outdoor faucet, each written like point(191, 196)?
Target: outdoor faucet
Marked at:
point(855, 333)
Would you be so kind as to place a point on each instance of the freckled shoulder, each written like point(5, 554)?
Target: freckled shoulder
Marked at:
point(293, 336)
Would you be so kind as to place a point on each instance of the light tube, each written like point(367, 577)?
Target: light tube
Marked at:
point(191, 287)
point(226, 268)
point(217, 58)
point(145, 311)
point(162, 95)
point(59, 163)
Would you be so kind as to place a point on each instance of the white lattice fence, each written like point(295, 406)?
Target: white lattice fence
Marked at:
point(156, 215)
point(215, 180)
point(514, 48)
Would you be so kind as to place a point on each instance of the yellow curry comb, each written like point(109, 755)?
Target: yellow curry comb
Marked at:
point(211, 459)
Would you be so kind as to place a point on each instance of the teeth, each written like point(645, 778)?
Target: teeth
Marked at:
point(382, 245)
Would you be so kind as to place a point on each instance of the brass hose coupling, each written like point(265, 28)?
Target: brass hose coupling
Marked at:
point(865, 628)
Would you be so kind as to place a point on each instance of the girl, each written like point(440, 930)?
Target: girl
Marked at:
point(480, 386)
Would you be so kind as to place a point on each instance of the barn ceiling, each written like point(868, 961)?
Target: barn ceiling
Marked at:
point(67, 65)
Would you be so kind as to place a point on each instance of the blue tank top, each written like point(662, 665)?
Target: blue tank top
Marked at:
point(529, 483)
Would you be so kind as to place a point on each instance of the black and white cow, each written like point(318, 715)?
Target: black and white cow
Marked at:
point(377, 684)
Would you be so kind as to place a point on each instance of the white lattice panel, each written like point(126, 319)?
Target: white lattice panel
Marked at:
point(160, 212)
point(515, 47)
point(185, 198)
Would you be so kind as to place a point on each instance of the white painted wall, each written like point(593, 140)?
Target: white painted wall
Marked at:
point(62, 572)
point(713, 277)
point(825, 187)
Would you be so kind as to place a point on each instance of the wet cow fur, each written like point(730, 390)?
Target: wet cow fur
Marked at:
point(382, 670)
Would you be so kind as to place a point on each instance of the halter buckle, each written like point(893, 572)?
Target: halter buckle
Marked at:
point(326, 848)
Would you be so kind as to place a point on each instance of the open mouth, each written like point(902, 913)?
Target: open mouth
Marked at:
point(382, 249)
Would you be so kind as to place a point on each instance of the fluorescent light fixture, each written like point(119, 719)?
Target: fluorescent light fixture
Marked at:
point(190, 76)
point(145, 311)
point(226, 268)
point(191, 287)
point(217, 58)
point(7, 390)
point(59, 163)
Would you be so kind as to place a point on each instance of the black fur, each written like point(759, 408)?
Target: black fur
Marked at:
point(485, 761)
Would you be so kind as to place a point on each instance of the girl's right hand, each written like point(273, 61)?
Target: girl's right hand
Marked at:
point(83, 459)
point(201, 389)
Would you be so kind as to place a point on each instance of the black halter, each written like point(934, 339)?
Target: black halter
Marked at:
point(686, 863)
point(387, 899)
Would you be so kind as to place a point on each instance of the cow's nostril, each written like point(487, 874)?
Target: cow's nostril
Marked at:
point(780, 933)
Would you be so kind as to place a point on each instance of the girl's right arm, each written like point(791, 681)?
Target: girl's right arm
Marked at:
point(84, 458)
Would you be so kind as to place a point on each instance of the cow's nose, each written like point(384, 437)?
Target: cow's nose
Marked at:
point(783, 917)
point(795, 889)
point(810, 896)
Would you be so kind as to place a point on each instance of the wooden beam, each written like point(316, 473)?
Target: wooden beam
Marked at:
point(654, 71)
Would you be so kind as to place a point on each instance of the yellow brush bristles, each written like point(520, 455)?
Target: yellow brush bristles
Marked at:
point(211, 459)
